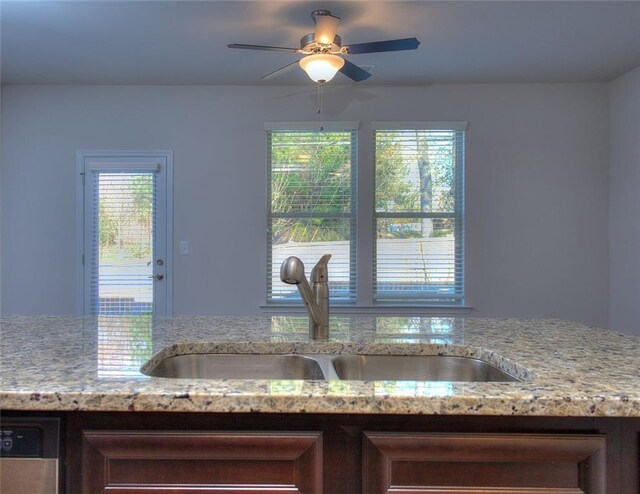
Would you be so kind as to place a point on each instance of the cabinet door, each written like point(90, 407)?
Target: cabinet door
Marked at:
point(483, 463)
point(203, 462)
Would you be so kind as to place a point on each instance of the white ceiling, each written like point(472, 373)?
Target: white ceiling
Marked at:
point(184, 42)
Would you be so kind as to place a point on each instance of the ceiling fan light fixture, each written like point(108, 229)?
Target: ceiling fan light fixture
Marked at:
point(321, 67)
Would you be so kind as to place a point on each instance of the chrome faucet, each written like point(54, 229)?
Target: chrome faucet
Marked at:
point(315, 297)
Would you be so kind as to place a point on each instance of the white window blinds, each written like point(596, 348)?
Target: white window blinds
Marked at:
point(419, 206)
point(122, 219)
point(311, 197)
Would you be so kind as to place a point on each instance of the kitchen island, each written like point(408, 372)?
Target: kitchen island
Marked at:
point(574, 414)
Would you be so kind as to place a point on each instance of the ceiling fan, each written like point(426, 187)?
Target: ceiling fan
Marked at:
point(324, 51)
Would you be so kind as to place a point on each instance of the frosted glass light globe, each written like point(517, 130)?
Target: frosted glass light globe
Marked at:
point(321, 67)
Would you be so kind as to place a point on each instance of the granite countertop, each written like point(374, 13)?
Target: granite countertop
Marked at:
point(93, 364)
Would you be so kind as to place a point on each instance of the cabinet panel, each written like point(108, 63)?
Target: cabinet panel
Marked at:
point(487, 463)
point(122, 462)
point(630, 457)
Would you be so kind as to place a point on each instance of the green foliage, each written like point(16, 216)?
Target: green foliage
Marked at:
point(393, 191)
point(107, 228)
point(142, 192)
point(311, 173)
point(415, 172)
point(125, 220)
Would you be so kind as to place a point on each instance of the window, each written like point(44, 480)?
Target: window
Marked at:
point(311, 197)
point(419, 251)
point(414, 216)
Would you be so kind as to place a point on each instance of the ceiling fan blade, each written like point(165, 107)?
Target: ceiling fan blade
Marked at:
point(280, 71)
point(379, 46)
point(352, 71)
point(262, 47)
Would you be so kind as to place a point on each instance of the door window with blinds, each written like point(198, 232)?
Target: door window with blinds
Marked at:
point(311, 205)
point(124, 248)
point(419, 220)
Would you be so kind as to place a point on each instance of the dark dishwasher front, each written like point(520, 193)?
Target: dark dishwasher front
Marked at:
point(29, 455)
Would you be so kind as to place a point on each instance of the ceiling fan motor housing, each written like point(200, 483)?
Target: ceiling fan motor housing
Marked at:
point(321, 12)
point(308, 44)
point(325, 31)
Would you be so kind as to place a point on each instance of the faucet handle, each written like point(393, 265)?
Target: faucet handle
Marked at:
point(320, 272)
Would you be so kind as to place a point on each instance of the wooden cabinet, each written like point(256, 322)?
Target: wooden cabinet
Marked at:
point(205, 462)
point(487, 463)
point(172, 453)
point(239, 462)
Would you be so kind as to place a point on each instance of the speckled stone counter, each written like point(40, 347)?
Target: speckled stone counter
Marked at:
point(93, 364)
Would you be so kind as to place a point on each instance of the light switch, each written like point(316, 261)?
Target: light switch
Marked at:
point(184, 247)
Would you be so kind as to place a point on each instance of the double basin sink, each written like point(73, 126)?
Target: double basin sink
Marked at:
point(323, 367)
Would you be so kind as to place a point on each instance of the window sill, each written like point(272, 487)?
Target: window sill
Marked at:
point(401, 310)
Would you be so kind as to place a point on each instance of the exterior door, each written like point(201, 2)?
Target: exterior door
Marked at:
point(126, 233)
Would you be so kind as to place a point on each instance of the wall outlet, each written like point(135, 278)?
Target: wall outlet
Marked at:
point(184, 247)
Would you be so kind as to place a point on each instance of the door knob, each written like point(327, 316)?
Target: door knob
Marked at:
point(158, 277)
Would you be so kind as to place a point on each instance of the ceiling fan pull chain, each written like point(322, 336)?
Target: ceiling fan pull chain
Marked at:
point(320, 84)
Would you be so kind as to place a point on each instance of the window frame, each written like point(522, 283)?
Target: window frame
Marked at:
point(458, 214)
point(352, 216)
point(363, 208)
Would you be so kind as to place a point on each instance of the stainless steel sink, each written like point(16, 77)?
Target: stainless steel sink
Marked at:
point(331, 367)
point(238, 366)
point(416, 368)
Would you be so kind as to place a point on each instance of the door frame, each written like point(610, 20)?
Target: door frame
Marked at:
point(81, 158)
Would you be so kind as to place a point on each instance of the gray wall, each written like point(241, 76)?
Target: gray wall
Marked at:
point(537, 199)
point(624, 210)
